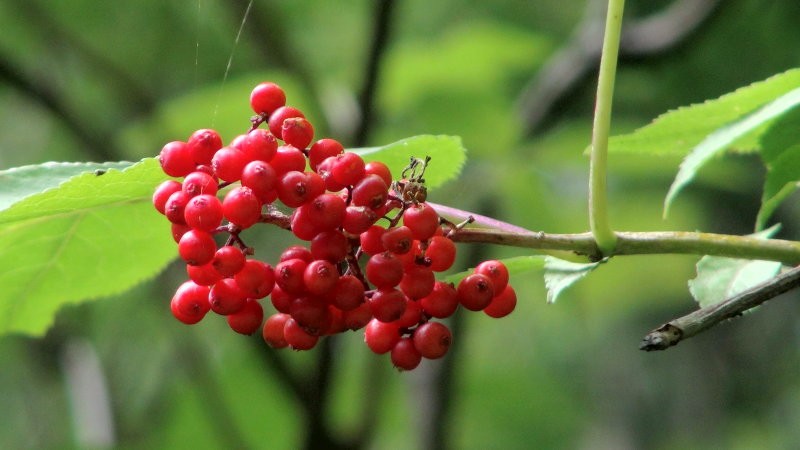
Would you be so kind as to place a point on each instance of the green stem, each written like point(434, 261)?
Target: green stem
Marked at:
point(598, 198)
point(641, 243)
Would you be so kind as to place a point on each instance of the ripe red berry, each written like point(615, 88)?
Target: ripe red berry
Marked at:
point(204, 275)
point(397, 240)
point(203, 212)
point(198, 182)
point(387, 304)
point(475, 292)
point(242, 207)
point(441, 252)
point(296, 251)
point(371, 192)
point(442, 302)
point(163, 192)
point(190, 302)
point(496, 271)
point(281, 300)
point(417, 282)
point(347, 169)
point(324, 170)
point(371, 240)
point(297, 188)
point(248, 319)
point(330, 245)
point(348, 294)
point(197, 247)
point(178, 230)
point(311, 313)
point(176, 159)
point(297, 132)
point(266, 98)
point(502, 304)
point(226, 297)
point(203, 144)
point(358, 219)
point(384, 270)
point(432, 339)
point(287, 159)
point(422, 219)
point(302, 226)
point(404, 355)
point(279, 115)
point(297, 337)
point(380, 169)
point(174, 206)
point(259, 145)
point(289, 276)
point(272, 332)
point(228, 260)
point(412, 315)
point(357, 318)
point(256, 278)
point(228, 163)
point(323, 149)
point(326, 211)
point(381, 337)
point(261, 178)
point(320, 277)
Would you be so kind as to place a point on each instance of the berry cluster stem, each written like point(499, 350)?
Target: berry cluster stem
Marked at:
point(598, 198)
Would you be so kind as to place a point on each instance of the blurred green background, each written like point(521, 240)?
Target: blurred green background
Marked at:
point(93, 80)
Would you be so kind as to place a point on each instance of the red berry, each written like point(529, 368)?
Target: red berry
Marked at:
point(442, 302)
point(371, 192)
point(204, 275)
point(163, 192)
point(311, 313)
point(198, 182)
point(242, 207)
point(475, 292)
point(417, 282)
point(203, 144)
point(190, 302)
point(296, 251)
point(380, 169)
point(502, 304)
point(174, 206)
point(297, 188)
point(441, 252)
point(256, 278)
point(324, 170)
point(178, 230)
point(259, 145)
point(357, 318)
point(279, 115)
point(320, 277)
point(404, 355)
point(397, 240)
point(176, 159)
point(347, 169)
point(297, 337)
point(287, 159)
point(266, 98)
point(358, 219)
point(387, 304)
point(384, 270)
point(248, 319)
point(326, 211)
point(203, 212)
point(412, 315)
point(323, 149)
point(228, 260)
point(330, 245)
point(272, 332)
point(297, 132)
point(496, 271)
point(381, 337)
point(371, 242)
point(348, 294)
point(302, 226)
point(281, 300)
point(422, 219)
point(289, 276)
point(197, 247)
point(432, 339)
point(226, 297)
point(261, 178)
point(228, 163)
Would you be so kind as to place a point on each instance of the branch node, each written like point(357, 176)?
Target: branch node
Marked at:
point(661, 338)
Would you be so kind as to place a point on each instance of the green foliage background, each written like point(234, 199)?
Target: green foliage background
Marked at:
point(134, 75)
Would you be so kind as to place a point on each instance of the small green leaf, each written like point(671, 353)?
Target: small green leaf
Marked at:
point(720, 278)
point(721, 139)
point(781, 154)
point(680, 130)
point(20, 182)
point(447, 156)
point(560, 274)
point(92, 236)
point(517, 265)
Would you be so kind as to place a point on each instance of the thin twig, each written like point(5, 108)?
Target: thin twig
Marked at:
point(692, 324)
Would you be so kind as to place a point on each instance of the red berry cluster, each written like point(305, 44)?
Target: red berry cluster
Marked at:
point(374, 244)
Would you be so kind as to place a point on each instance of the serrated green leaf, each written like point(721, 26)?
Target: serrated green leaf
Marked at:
point(447, 156)
point(560, 274)
point(90, 237)
point(719, 141)
point(20, 182)
point(781, 154)
point(517, 265)
point(680, 130)
point(720, 278)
